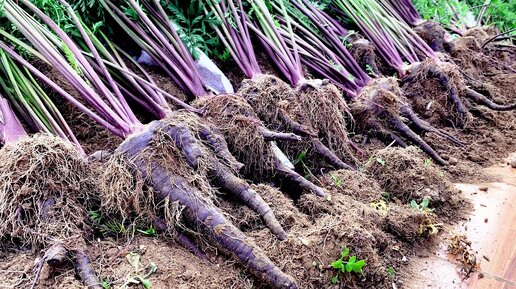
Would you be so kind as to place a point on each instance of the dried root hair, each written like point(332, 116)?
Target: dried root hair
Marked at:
point(124, 193)
point(407, 175)
point(239, 124)
point(436, 91)
point(377, 104)
point(326, 111)
point(45, 184)
point(267, 94)
point(352, 183)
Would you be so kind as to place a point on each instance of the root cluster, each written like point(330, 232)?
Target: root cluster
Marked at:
point(45, 184)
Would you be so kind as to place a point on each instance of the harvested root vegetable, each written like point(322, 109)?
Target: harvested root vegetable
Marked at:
point(251, 141)
point(378, 109)
point(282, 108)
point(437, 90)
point(146, 152)
point(196, 160)
point(45, 187)
point(324, 108)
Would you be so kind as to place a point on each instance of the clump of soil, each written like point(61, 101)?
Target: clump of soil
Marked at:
point(313, 110)
point(45, 185)
point(478, 60)
point(236, 119)
point(283, 207)
point(405, 175)
point(341, 221)
point(326, 111)
point(352, 183)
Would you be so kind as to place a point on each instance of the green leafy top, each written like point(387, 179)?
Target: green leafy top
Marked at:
point(195, 27)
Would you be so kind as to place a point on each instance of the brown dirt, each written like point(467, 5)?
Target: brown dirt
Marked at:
point(407, 174)
point(176, 267)
point(236, 119)
point(356, 215)
point(366, 211)
point(489, 136)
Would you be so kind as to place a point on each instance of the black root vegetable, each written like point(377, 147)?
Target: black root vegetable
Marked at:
point(45, 184)
point(307, 112)
point(251, 141)
point(198, 212)
point(438, 90)
point(379, 109)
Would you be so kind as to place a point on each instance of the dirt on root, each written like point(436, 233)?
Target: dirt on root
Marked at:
point(45, 184)
point(433, 34)
point(176, 267)
point(236, 119)
point(430, 96)
point(356, 214)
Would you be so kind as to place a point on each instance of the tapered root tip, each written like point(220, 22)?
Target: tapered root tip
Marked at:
point(405, 131)
point(483, 100)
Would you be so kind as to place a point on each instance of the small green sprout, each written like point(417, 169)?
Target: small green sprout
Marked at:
point(391, 272)
point(336, 180)
point(387, 197)
point(423, 206)
point(347, 264)
point(369, 69)
point(151, 231)
point(106, 284)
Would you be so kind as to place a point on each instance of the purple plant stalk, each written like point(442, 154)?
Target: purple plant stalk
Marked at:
point(285, 57)
point(111, 111)
point(234, 34)
point(395, 40)
point(405, 9)
point(10, 127)
point(332, 33)
point(154, 33)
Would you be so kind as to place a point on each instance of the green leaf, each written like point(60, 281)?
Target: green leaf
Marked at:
point(349, 267)
point(352, 259)
point(146, 283)
point(300, 157)
point(152, 268)
point(380, 161)
point(337, 264)
point(414, 204)
point(359, 265)
point(425, 202)
point(335, 279)
point(345, 252)
point(391, 272)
